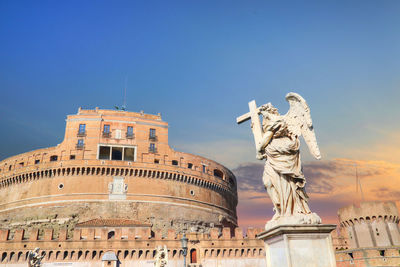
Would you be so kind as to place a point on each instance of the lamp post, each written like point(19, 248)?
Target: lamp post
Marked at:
point(184, 243)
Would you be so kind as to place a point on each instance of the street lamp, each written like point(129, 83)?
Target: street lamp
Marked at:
point(184, 243)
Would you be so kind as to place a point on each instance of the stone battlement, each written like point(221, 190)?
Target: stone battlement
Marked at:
point(121, 233)
point(371, 210)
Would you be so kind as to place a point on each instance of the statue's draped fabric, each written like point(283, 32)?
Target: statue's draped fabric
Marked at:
point(283, 173)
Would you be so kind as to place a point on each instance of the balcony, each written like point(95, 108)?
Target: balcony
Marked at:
point(80, 146)
point(130, 135)
point(153, 138)
point(81, 133)
point(106, 134)
point(152, 150)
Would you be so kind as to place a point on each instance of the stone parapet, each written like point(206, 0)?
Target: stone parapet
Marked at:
point(130, 243)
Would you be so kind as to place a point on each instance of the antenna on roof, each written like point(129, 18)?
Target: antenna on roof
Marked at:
point(358, 183)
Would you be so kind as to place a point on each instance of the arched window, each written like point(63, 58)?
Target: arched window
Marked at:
point(218, 173)
point(111, 235)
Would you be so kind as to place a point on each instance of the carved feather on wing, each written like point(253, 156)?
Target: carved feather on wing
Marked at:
point(299, 122)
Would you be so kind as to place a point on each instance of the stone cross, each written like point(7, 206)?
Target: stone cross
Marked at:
point(255, 120)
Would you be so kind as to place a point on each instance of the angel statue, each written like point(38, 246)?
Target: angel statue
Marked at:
point(277, 141)
point(34, 259)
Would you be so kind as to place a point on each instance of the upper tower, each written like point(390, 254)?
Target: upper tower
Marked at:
point(116, 164)
point(371, 224)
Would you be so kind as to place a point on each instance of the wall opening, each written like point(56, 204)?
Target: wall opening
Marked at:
point(193, 256)
point(111, 235)
point(54, 158)
point(218, 173)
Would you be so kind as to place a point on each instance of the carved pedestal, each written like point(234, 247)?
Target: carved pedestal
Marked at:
point(299, 245)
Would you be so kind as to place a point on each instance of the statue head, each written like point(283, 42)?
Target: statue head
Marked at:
point(268, 111)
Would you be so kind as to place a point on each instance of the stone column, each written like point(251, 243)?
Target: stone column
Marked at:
point(299, 245)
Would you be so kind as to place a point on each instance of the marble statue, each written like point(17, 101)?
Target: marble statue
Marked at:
point(161, 257)
point(34, 259)
point(277, 141)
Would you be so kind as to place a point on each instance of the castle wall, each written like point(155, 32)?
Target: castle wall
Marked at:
point(133, 247)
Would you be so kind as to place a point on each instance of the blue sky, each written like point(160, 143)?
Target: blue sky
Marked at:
point(199, 63)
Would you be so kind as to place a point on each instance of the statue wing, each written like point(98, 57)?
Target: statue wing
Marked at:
point(299, 122)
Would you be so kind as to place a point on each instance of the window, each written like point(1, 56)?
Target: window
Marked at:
point(116, 153)
point(204, 168)
point(152, 135)
point(21, 164)
point(80, 144)
point(37, 161)
point(106, 131)
point(174, 162)
point(156, 161)
point(129, 154)
point(53, 158)
point(152, 148)
point(190, 165)
point(104, 152)
point(129, 132)
point(82, 130)
point(152, 132)
point(72, 157)
point(106, 128)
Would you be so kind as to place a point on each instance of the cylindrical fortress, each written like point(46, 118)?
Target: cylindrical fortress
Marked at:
point(371, 224)
point(115, 164)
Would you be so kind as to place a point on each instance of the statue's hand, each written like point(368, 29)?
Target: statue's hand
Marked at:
point(276, 126)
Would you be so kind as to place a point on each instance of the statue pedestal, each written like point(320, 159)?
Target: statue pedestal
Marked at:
point(299, 245)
